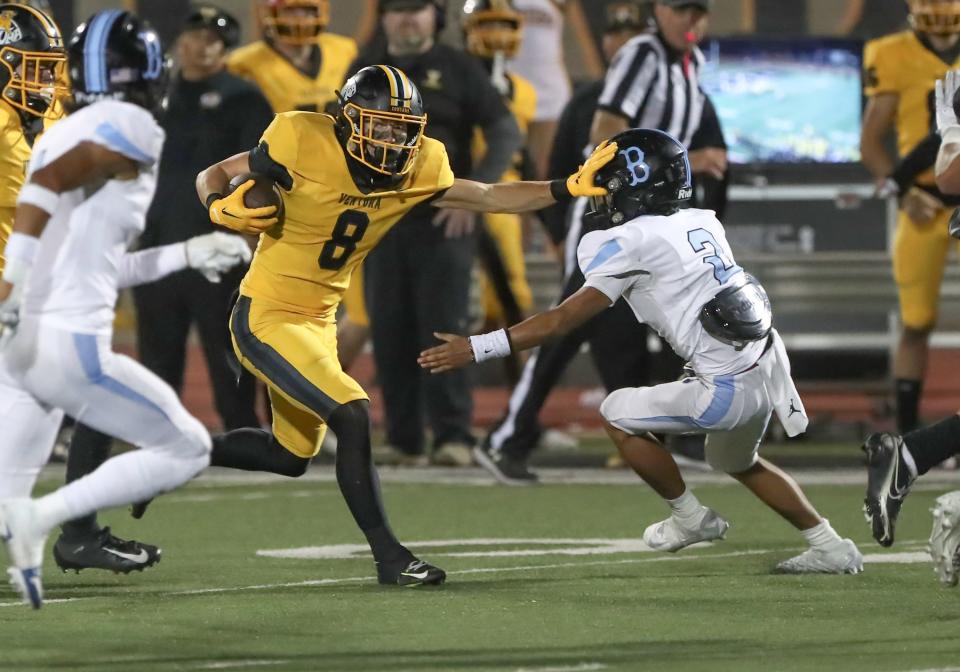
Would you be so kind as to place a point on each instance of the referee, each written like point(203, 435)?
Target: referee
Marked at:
point(617, 341)
point(653, 82)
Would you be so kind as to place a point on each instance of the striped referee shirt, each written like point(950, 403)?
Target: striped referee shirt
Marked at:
point(647, 85)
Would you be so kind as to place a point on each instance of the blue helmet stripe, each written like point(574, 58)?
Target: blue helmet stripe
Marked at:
point(154, 55)
point(94, 51)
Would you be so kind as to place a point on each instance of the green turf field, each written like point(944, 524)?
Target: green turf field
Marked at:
point(588, 600)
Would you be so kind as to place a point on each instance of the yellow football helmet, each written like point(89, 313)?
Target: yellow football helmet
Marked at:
point(492, 26)
point(33, 60)
point(937, 17)
point(294, 22)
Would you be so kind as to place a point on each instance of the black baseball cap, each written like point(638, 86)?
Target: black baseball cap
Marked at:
point(705, 5)
point(203, 15)
point(403, 5)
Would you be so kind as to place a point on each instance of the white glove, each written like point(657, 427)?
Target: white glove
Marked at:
point(945, 90)
point(216, 253)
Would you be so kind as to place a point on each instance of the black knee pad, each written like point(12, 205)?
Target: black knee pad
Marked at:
point(350, 420)
point(288, 463)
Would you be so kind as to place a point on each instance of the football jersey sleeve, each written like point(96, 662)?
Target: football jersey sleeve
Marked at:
point(277, 153)
point(607, 261)
point(881, 68)
point(129, 130)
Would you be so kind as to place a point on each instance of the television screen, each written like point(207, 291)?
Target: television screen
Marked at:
point(787, 101)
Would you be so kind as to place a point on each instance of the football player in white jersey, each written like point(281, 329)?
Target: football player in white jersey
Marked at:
point(675, 269)
point(89, 183)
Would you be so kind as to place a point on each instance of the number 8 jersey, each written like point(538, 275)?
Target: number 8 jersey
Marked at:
point(304, 264)
point(667, 268)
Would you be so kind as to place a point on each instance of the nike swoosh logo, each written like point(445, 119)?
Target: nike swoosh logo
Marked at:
point(139, 558)
point(416, 575)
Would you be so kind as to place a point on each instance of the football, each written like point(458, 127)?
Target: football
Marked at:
point(263, 193)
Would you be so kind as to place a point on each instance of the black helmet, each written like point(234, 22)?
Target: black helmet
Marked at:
point(492, 26)
point(649, 176)
point(380, 100)
point(31, 59)
point(115, 55)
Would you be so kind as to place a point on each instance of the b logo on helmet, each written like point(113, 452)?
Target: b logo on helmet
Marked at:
point(634, 157)
point(9, 30)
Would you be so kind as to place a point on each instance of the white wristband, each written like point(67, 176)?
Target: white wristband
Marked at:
point(39, 197)
point(19, 254)
point(490, 345)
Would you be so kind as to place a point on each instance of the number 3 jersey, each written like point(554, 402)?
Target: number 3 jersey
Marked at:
point(329, 227)
point(667, 269)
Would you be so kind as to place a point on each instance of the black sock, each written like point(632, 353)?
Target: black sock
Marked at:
point(908, 403)
point(255, 450)
point(88, 450)
point(932, 445)
point(359, 483)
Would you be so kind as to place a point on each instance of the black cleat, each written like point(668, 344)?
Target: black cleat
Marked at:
point(888, 482)
point(104, 551)
point(504, 468)
point(138, 509)
point(414, 573)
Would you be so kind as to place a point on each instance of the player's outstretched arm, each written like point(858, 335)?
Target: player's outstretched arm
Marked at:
point(515, 197)
point(87, 163)
point(458, 351)
point(229, 211)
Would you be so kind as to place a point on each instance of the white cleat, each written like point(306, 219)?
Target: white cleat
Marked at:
point(24, 549)
point(671, 535)
point(843, 558)
point(945, 538)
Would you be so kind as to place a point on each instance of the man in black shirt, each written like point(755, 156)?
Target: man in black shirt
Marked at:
point(418, 277)
point(211, 114)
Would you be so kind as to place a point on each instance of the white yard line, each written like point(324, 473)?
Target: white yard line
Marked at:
point(235, 664)
point(582, 667)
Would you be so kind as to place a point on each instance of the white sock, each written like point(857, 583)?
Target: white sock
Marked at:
point(686, 507)
point(821, 536)
point(131, 477)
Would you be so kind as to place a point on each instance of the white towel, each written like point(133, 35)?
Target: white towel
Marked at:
point(775, 366)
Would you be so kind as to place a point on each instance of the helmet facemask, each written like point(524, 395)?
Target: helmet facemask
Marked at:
point(37, 80)
point(935, 17)
point(386, 142)
point(294, 22)
point(498, 30)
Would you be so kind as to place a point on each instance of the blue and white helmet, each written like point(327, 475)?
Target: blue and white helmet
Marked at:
point(115, 55)
point(649, 176)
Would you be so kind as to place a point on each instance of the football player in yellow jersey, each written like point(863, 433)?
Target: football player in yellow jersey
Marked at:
point(346, 181)
point(297, 64)
point(493, 30)
point(32, 64)
point(901, 70)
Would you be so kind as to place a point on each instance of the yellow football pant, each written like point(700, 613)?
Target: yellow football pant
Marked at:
point(296, 356)
point(919, 258)
point(508, 236)
point(353, 301)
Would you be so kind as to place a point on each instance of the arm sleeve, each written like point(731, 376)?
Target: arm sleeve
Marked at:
point(146, 266)
point(503, 141)
point(879, 69)
point(920, 159)
point(628, 79)
point(606, 262)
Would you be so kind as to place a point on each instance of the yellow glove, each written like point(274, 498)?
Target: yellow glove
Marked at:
point(581, 182)
point(230, 212)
